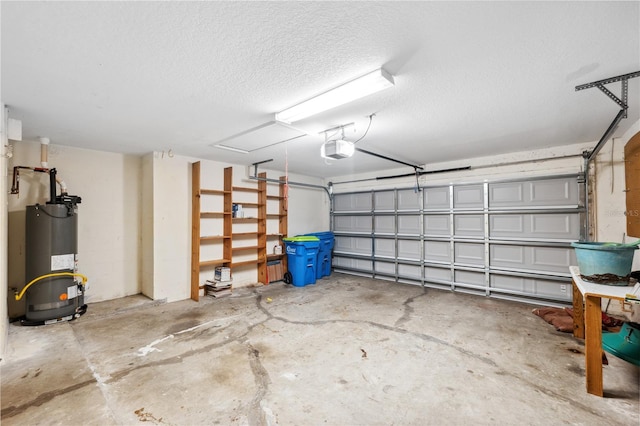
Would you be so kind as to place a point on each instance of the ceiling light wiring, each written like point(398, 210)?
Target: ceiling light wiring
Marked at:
point(366, 131)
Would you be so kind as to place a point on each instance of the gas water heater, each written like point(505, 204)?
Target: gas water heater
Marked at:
point(51, 255)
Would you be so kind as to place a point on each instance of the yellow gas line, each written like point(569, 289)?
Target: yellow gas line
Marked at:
point(55, 274)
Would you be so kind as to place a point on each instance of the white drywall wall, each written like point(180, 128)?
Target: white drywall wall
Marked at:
point(552, 161)
point(4, 189)
point(146, 227)
point(309, 208)
point(171, 227)
point(610, 223)
point(108, 216)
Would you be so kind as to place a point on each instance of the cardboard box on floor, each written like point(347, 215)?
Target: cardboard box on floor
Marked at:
point(275, 271)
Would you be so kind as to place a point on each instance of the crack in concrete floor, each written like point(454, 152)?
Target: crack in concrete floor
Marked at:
point(257, 413)
point(12, 411)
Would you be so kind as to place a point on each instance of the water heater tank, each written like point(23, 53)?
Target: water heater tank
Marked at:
point(51, 246)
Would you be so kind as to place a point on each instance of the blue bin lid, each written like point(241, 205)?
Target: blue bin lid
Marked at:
point(301, 238)
point(321, 235)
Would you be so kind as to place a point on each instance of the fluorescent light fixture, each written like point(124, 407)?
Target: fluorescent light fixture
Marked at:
point(230, 148)
point(355, 89)
point(337, 149)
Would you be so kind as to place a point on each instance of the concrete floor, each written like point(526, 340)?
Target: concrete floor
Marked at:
point(346, 351)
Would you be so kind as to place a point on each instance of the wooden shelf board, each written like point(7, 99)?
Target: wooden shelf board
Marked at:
point(273, 216)
point(275, 235)
point(275, 256)
point(246, 204)
point(246, 248)
point(214, 262)
point(245, 219)
point(214, 237)
point(244, 234)
point(213, 191)
point(244, 189)
point(244, 263)
point(213, 214)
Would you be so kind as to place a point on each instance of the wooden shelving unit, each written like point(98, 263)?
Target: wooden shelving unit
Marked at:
point(262, 228)
point(227, 236)
point(282, 217)
point(197, 240)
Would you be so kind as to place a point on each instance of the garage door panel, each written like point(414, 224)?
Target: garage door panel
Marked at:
point(506, 224)
point(386, 248)
point(385, 268)
point(468, 225)
point(352, 202)
point(384, 200)
point(506, 255)
point(552, 259)
point(533, 258)
point(437, 274)
point(437, 251)
point(437, 224)
point(345, 262)
point(352, 224)
point(409, 249)
point(559, 226)
point(342, 223)
point(506, 194)
point(384, 224)
point(554, 226)
point(354, 245)
point(409, 225)
point(469, 277)
point(533, 287)
point(468, 197)
point(468, 253)
point(560, 192)
point(436, 198)
point(408, 199)
point(552, 193)
point(409, 271)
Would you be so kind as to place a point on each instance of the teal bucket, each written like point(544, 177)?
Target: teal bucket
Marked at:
point(625, 344)
point(604, 258)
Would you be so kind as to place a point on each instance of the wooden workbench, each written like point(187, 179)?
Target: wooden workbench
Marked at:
point(587, 323)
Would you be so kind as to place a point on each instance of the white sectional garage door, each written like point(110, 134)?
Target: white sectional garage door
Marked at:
point(507, 239)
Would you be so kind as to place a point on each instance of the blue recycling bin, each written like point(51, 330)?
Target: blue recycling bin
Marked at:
point(323, 262)
point(302, 253)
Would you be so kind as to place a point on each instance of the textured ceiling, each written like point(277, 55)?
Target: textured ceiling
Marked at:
point(472, 79)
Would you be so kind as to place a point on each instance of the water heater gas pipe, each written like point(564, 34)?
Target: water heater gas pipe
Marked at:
point(56, 274)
